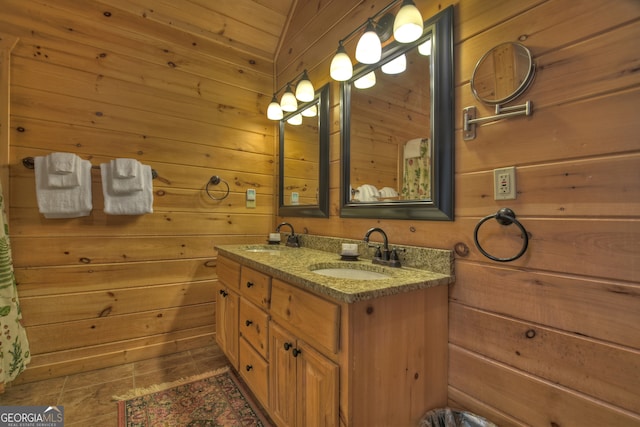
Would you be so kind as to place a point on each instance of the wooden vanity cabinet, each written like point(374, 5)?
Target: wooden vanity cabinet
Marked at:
point(326, 362)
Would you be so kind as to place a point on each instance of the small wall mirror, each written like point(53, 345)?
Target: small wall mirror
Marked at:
point(502, 74)
point(304, 159)
point(398, 135)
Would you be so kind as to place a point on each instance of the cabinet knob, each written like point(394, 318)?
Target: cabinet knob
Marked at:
point(249, 284)
point(287, 346)
point(249, 322)
point(248, 368)
point(223, 293)
point(296, 352)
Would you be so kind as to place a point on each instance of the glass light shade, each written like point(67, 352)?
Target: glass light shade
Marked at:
point(425, 48)
point(408, 25)
point(395, 66)
point(304, 90)
point(341, 67)
point(274, 112)
point(295, 120)
point(366, 81)
point(369, 48)
point(288, 101)
point(312, 111)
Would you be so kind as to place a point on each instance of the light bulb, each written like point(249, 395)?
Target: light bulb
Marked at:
point(369, 48)
point(311, 111)
point(425, 48)
point(366, 81)
point(288, 101)
point(295, 120)
point(395, 66)
point(341, 67)
point(274, 112)
point(408, 25)
point(304, 90)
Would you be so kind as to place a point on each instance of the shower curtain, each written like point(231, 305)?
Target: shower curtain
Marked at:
point(14, 347)
point(416, 180)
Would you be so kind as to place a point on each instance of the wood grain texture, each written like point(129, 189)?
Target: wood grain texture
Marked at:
point(108, 79)
point(577, 162)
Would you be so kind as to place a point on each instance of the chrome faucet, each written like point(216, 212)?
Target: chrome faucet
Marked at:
point(384, 256)
point(292, 240)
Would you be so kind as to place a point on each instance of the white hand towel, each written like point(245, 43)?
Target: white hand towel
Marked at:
point(412, 148)
point(61, 170)
point(63, 202)
point(61, 163)
point(125, 168)
point(132, 203)
point(126, 176)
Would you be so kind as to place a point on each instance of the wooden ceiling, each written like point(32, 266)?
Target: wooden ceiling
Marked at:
point(253, 26)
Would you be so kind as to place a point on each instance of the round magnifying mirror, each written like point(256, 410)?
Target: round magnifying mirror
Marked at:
point(502, 74)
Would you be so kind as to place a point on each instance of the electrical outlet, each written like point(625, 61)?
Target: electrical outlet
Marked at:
point(504, 183)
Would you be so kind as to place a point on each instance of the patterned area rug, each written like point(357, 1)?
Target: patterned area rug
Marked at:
point(214, 399)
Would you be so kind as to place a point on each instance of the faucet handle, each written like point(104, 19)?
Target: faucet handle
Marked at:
point(378, 253)
point(292, 241)
point(394, 261)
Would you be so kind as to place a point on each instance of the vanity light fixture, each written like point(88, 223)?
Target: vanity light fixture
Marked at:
point(407, 26)
point(274, 111)
point(341, 67)
point(304, 90)
point(289, 102)
point(369, 48)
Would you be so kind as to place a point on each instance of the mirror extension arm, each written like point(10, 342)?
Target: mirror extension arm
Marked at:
point(469, 119)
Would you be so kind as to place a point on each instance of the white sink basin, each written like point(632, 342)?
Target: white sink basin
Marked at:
point(350, 271)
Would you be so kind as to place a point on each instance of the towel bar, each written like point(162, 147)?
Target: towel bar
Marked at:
point(29, 163)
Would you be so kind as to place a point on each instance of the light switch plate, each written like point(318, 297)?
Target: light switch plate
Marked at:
point(251, 198)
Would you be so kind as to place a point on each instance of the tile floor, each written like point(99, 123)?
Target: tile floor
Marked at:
point(87, 397)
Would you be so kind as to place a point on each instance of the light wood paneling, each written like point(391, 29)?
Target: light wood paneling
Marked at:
point(184, 90)
point(577, 162)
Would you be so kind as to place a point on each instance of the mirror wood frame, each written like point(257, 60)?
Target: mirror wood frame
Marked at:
point(321, 210)
point(440, 207)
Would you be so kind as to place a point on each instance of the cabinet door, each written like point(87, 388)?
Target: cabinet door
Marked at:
point(282, 376)
point(227, 315)
point(317, 389)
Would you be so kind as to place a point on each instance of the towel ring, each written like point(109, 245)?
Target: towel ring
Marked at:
point(504, 216)
point(215, 180)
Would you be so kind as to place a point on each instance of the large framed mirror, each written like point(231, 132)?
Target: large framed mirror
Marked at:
point(397, 136)
point(304, 159)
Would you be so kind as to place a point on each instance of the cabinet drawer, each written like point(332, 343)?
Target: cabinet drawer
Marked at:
point(228, 272)
point(255, 371)
point(255, 286)
point(315, 319)
point(253, 326)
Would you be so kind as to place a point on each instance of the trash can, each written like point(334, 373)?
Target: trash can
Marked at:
point(446, 417)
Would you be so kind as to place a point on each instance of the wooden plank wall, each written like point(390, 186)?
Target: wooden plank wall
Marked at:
point(112, 79)
point(554, 337)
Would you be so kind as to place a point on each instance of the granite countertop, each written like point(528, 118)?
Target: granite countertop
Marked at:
point(295, 265)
